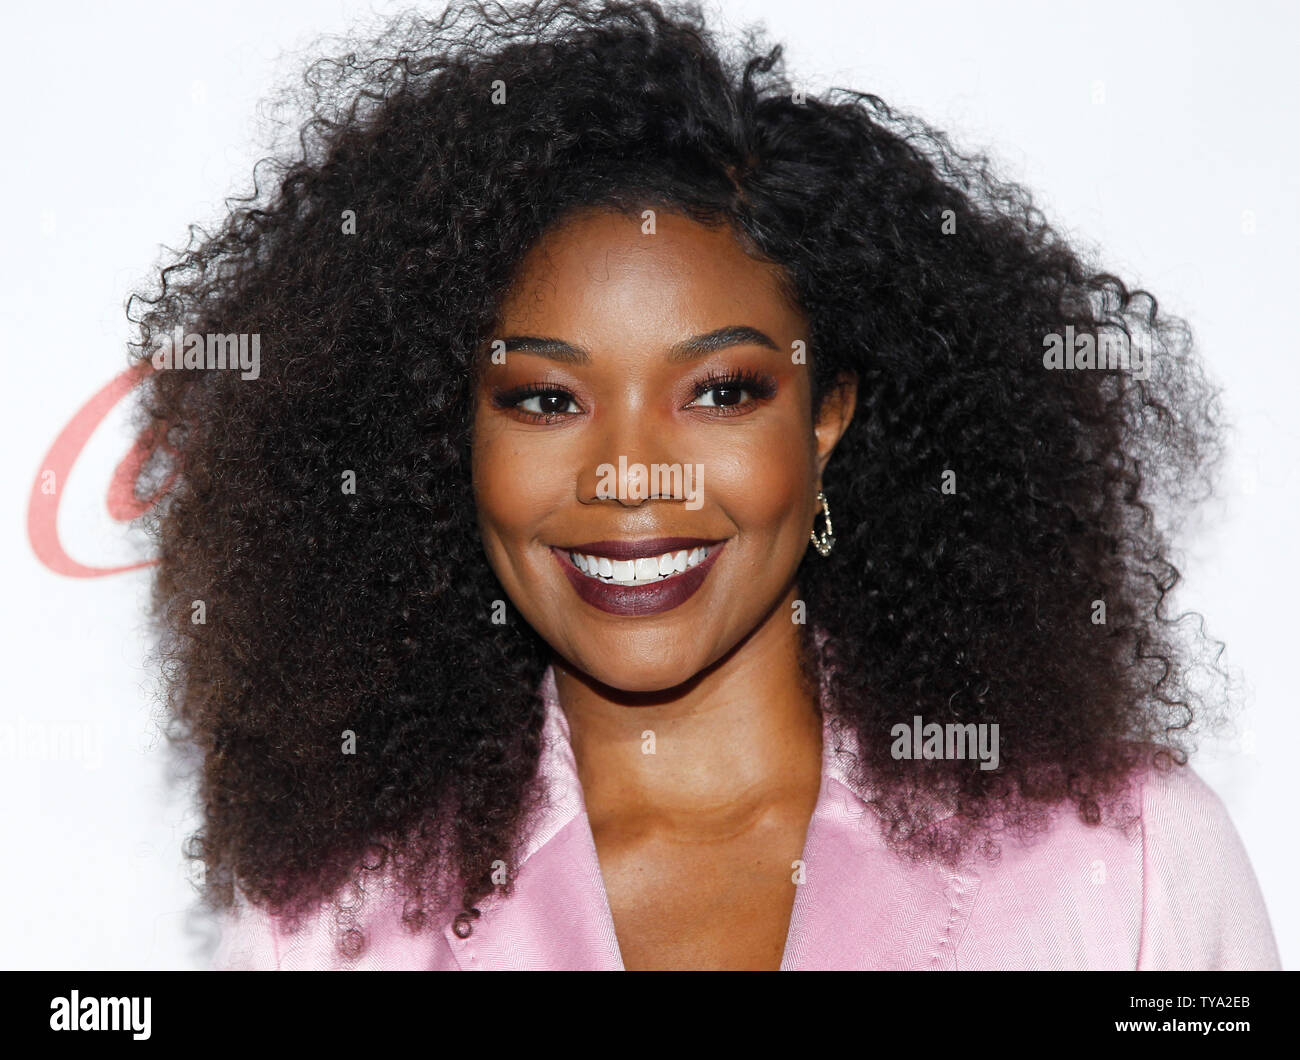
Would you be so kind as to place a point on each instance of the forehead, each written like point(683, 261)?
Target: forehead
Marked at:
point(599, 263)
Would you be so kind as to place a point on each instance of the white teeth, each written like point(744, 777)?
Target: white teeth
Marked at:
point(645, 570)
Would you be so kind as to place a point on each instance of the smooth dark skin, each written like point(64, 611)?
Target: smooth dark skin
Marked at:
point(696, 841)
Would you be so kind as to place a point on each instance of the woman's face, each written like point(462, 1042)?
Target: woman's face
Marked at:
point(621, 428)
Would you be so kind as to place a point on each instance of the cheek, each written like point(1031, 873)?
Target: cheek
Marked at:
point(514, 489)
point(764, 477)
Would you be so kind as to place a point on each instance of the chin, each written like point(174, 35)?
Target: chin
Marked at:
point(642, 675)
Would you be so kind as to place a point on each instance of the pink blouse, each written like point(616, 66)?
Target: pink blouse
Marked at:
point(1176, 893)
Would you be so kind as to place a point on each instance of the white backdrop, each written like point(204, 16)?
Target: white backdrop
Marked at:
point(1161, 132)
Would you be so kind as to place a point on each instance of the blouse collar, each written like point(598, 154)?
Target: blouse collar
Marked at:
point(563, 792)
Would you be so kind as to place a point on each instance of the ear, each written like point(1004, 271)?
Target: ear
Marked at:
point(836, 413)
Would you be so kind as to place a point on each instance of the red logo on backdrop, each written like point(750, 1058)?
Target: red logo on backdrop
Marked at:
point(122, 504)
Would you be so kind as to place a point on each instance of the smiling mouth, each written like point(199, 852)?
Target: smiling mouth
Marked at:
point(644, 570)
point(637, 579)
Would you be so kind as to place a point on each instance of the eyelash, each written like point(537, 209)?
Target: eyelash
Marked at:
point(760, 387)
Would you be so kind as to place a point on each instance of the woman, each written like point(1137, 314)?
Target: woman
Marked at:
point(675, 521)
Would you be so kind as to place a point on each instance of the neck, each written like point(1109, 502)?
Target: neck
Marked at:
point(740, 735)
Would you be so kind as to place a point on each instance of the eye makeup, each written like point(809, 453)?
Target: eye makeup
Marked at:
point(759, 386)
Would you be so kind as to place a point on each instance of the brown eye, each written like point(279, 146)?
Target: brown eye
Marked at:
point(727, 394)
point(536, 402)
point(546, 403)
point(733, 390)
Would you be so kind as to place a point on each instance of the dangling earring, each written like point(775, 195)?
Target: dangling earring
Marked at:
point(826, 542)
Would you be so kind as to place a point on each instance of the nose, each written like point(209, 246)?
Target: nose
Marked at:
point(631, 459)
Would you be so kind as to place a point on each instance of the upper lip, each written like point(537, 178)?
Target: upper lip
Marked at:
point(638, 549)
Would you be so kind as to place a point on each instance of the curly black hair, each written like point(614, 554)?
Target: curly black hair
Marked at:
point(983, 502)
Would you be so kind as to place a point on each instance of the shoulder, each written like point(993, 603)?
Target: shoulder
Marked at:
point(249, 939)
point(372, 932)
point(1163, 882)
point(1178, 805)
point(1202, 906)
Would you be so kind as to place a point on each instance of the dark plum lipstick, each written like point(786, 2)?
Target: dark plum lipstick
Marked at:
point(639, 600)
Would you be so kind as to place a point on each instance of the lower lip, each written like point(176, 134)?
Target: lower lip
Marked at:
point(652, 599)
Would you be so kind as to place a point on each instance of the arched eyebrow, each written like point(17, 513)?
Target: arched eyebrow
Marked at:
point(686, 350)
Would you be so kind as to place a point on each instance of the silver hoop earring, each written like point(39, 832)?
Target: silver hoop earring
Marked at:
point(826, 542)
